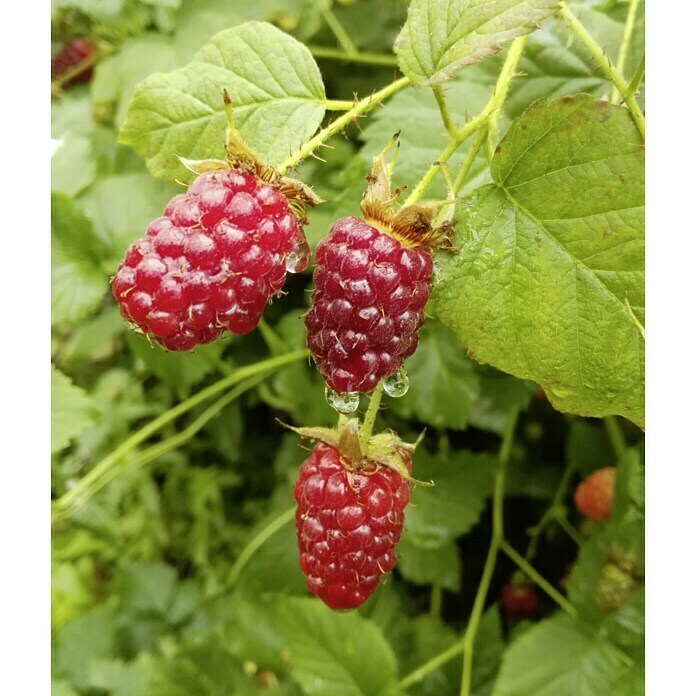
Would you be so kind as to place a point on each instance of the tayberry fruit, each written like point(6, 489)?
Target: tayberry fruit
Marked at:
point(594, 496)
point(368, 304)
point(349, 519)
point(212, 262)
point(74, 52)
point(519, 599)
point(372, 281)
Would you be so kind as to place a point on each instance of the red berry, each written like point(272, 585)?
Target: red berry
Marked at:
point(368, 304)
point(74, 52)
point(348, 524)
point(593, 497)
point(211, 263)
point(520, 601)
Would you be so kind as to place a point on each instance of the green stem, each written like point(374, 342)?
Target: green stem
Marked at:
point(502, 87)
point(435, 600)
point(337, 28)
point(103, 468)
point(497, 538)
point(432, 664)
point(273, 342)
point(256, 543)
point(444, 111)
point(637, 77)
point(469, 159)
point(625, 44)
point(362, 57)
point(482, 119)
point(537, 578)
point(338, 104)
point(550, 514)
point(341, 122)
point(616, 436)
point(370, 416)
point(167, 445)
point(568, 528)
point(606, 67)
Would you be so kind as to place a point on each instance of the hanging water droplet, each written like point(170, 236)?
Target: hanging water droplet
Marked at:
point(298, 257)
point(396, 384)
point(343, 402)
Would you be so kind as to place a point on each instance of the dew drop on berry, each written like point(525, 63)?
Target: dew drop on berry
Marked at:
point(396, 384)
point(342, 402)
point(298, 257)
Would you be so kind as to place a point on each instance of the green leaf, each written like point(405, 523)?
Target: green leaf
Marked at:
point(202, 666)
point(430, 565)
point(454, 504)
point(71, 411)
point(180, 370)
point(198, 20)
point(333, 654)
point(77, 282)
point(550, 254)
point(442, 36)
point(556, 658)
point(116, 77)
point(274, 568)
point(81, 642)
point(498, 394)
point(443, 381)
point(629, 489)
point(617, 544)
point(147, 588)
point(588, 447)
point(275, 87)
point(422, 134)
point(118, 224)
point(72, 165)
point(553, 65)
point(116, 677)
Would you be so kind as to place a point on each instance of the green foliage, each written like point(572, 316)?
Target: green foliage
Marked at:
point(272, 80)
point(443, 36)
point(71, 410)
point(330, 653)
point(149, 597)
point(552, 257)
point(77, 280)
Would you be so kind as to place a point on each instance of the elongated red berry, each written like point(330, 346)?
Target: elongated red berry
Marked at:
point(519, 600)
point(368, 304)
point(74, 52)
point(348, 524)
point(212, 262)
point(594, 496)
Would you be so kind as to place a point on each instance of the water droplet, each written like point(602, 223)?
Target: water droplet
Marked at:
point(343, 402)
point(298, 257)
point(396, 384)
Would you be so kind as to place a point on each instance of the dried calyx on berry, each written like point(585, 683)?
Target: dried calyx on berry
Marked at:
point(220, 252)
point(372, 282)
point(350, 511)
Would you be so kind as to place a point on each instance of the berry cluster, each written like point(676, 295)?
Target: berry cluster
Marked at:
point(212, 262)
point(348, 524)
point(368, 305)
